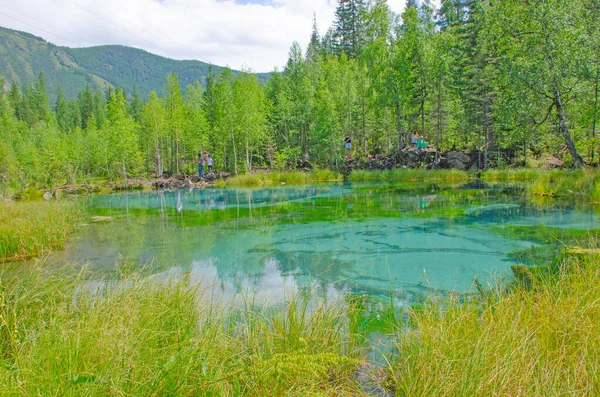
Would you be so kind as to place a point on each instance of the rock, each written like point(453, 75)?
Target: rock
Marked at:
point(473, 168)
point(101, 218)
point(555, 162)
point(460, 156)
point(458, 160)
point(47, 196)
point(459, 165)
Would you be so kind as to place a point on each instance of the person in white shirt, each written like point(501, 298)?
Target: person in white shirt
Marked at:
point(209, 163)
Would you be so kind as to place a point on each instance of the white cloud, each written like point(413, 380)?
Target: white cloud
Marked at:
point(223, 32)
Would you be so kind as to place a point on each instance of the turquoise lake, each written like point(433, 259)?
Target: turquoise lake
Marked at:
point(413, 240)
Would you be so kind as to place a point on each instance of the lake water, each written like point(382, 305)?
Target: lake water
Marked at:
point(411, 239)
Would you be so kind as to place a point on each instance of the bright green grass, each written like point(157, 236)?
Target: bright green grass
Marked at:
point(409, 175)
point(278, 178)
point(541, 340)
point(555, 183)
point(28, 229)
point(145, 337)
point(511, 175)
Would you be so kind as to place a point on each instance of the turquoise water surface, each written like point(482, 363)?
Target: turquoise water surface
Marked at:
point(365, 238)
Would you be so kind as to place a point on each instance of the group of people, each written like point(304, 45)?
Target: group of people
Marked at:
point(416, 141)
point(205, 159)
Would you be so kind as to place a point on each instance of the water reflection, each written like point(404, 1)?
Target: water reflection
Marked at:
point(412, 239)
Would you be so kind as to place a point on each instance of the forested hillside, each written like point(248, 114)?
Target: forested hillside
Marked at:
point(511, 80)
point(23, 56)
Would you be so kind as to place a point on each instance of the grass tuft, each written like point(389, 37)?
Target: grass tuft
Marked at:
point(539, 340)
point(140, 336)
point(409, 175)
point(278, 178)
point(28, 229)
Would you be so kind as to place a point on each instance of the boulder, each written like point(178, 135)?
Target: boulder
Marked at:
point(458, 160)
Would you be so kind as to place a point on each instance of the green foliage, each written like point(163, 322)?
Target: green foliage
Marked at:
point(511, 81)
point(286, 159)
point(141, 336)
point(409, 175)
point(539, 338)
point(281, 178)
point(32, 228)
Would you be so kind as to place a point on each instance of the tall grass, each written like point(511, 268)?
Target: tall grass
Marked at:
point(537, 341)
point(144, 337)
point(28, 229)
point(555, 183)
point(511, 175)
point(277, 178)
point(583, 183)
point(409, 175)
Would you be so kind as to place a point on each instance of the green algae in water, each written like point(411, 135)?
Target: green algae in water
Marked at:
point(413, 238)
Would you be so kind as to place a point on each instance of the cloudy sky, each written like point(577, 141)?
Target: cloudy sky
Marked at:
point(254, 34)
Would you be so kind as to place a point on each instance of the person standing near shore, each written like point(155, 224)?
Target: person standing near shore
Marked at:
point(348, 146)
point(200, 166)
point(209, 163)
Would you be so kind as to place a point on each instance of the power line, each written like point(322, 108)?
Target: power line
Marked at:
point(45, 23)
point(183, 46)
point(112, 23)
point(38, 28)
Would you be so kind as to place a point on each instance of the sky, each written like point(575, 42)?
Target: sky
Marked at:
point(249, 34)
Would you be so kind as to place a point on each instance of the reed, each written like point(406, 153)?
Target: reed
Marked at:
point(278, 178)
point(28, 229)
point(536, 340)
point(511, 175)
point(409, 175)
point(142, 336)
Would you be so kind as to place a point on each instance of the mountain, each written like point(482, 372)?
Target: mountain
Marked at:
point(23, 56)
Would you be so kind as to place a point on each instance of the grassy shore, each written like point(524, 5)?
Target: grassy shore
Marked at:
point(279, 178)
point(410, 175)
point(554, 183)
point(536, 340)
point(28, 229)
point(143, 337)
point(551, 183)
point(139, 335)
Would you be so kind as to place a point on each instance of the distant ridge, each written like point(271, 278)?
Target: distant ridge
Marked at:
point(23, 56)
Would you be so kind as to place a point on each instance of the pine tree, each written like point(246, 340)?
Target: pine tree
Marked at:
point(61, 109)
point(314, 46)
point(40, 103)
point(99, 109)
point(86, 105)
point(348, 31)
point(136, 106)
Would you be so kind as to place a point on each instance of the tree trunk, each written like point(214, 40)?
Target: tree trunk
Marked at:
point(124, 171)
point(487, 125)
point(439, 121)
point(177, 155)
point(234, 152)
point(364, 127)
point(248, 168)
point(564, 129)
point(399, 126)
point(158, 165)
